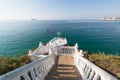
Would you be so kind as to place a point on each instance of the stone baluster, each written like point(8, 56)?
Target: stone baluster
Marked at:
point(65, 51)
point(97, 77)
point(62, 50)
point(69, 51)
point(31, 73)
point(88, 73)
point(86, 69)
point(92, 74)
point(50, 51)
point(83, 67)
point(25, 77)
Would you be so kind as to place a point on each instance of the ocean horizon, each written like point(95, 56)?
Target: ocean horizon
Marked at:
point(18, 36)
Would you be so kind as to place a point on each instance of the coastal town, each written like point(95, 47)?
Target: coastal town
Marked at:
point(60, 40)
point(110, 18)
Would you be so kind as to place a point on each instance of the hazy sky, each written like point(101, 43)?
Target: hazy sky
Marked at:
point(58, 9)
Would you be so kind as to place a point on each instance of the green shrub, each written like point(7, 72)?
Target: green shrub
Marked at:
point(110, 63)
point(11, 63)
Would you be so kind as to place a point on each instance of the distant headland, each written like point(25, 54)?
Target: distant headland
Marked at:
point(33, 19)
point(110, 18)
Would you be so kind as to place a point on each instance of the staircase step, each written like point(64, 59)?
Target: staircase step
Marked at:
point(63, 70)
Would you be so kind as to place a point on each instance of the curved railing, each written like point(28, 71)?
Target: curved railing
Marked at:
point(36, 70)
point(58, 41)
point(44, 49)
point(90, 71)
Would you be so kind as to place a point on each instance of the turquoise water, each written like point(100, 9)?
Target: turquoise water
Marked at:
point(17, 37)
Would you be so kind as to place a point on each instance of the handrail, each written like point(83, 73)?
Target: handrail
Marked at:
point(38, 69)
point(42, 49)
point(65, 50)
point(35, 70)
point(90, 71)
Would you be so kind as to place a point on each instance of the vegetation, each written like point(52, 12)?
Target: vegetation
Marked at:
point(11, 63)
point(110, 63)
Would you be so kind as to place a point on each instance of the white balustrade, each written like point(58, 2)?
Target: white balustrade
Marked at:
point(90, 71)
point(58, 41)
point(36, 70)
point(65, 50)
point(42, 49)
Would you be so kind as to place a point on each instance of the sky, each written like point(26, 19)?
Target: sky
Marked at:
point(58, 9)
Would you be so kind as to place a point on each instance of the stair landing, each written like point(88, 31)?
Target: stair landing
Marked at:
point(63, 70)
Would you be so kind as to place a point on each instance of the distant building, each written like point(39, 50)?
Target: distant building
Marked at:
point(110, 18)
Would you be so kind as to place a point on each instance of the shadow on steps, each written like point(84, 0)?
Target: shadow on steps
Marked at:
point(63, 70)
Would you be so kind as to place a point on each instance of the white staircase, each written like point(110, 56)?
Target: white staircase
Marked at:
point(38, 69)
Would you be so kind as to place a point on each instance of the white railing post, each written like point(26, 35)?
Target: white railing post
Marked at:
point(50, 52)
point(40, 44)
point(30, 52)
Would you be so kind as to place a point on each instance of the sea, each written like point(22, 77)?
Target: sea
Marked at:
point(18, 36)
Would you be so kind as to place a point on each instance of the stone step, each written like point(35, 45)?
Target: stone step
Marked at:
point(63, 70)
